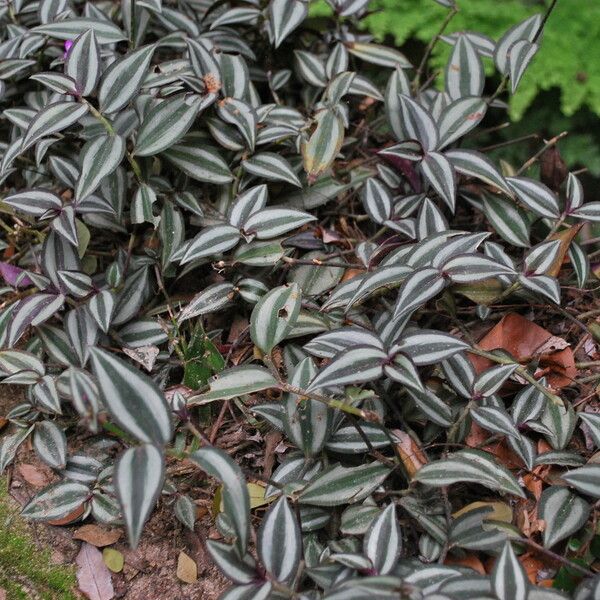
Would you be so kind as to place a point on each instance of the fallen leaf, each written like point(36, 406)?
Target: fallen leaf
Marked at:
point(93, 577)
point(500, 511)
point(113, 559)
point(97, 536)
point(33, 475)
point(3, 424)
point(411, 455)
point(566, 237)
point(469, 560)
point(187, 570)
point(532, 566)
point(521, 338)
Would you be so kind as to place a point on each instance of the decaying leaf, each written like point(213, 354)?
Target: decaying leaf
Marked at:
point(93, 577)
point(187, 570)
point(97, 536)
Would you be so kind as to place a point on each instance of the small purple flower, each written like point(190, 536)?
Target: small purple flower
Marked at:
point(68, 44)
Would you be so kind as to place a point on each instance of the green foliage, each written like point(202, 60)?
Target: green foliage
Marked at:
point(21, 577)
point(571, 42)
point(213, 204)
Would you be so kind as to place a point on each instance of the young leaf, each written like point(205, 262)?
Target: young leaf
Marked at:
point(464, 72)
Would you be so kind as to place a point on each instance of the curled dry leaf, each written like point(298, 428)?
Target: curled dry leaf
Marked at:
point(93, 577)
point(523, 340)
point(410, 453)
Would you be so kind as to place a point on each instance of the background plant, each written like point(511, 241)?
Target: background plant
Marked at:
point(167, 169)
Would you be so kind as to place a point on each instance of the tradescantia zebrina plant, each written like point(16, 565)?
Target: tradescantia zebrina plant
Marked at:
point(173, 170)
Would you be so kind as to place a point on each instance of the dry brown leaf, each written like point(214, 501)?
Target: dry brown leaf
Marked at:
point(33, 475)
point(97, 536)
point(521, 338)
point(566, 237)
point(3, 424)
point(412, 456)
point(187, 570)
point(532, 566)
point(93, 577)
point(469, 560)
point(144, 355)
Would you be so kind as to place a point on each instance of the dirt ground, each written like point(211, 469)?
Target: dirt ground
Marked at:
point(150, 571)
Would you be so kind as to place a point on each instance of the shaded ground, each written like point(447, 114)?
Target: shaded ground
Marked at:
point(149, 572)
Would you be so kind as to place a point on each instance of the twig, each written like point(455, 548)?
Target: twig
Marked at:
point(548, 144)
point(557, 557)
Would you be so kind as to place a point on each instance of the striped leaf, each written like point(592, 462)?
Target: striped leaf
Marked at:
point(349, 440)
point(344, 485)
point(122, 80)
point(563, 512)
point(356, 365)
point(589, 212)
point(57, 82)
point(495, 419)
point(236, 500)
point(440, 175)
point(272, 222)
point(242, 571)
point(101, 307)
point(279, 542)
point(52, 119)
point(435, 409)
point(491, 380)
point(378, 55)
point(324, 144)
point(427, 346)
point(56, 501)
point(32, 311)
point(460, 373)
point(165, 124)
point(50, 444)
point(509, 221)
point(328, 344)
point(468, 268)
point(234, 382)
point(382, 544)
point(272, 167)
point(541, 258)
point(138, 480)
point(417, 289)
point(35, 202)
point(377, 200)
point(251, 201)
point(311, 68)
point(593, 423)
point(46, 395)
point(10, 444)
point(83, 62)
point(382, 278)
point(580, 262)
point(535, 196)
point(471, 466)
point(132, 398)
point(284, 17)
point(236, 15)
point(542, 284)
point(307, 422)
point(202, 163)
point(474, 164)
point(211, 241)
point(212, 299)
point(464, 71)
point(459, 118)
point(585, 479)
point(418, 124)
point(509, 580)
point(274, 316)
point(242, 116)
point(106, 31)
point(526, 30)
point(520, 55)
point(398, 83)
point(99, 158)
point(204, 62)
